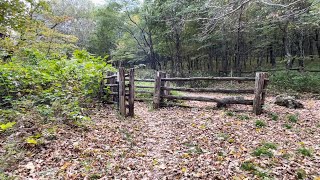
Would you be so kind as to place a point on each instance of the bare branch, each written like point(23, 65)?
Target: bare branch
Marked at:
point(269, 3)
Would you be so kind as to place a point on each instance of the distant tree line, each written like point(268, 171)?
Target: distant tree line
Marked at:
point(179, 36)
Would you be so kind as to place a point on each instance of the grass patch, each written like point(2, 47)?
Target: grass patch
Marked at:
point(293, 118)
point(260, 124)
point(229, 113)
point(270, 145)
point(248, 166)
point(243, 117)
point(274, 116)
point(262, 151)
point(265, 150)
point(305, 152)
point(301, 174)
point(287, 126)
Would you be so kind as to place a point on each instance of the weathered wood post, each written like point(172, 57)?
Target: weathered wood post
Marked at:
point(162, 91)
point(157, 90)
point(122, 92)
point(264, 90)
point(259, 94)
point(167, 84)
point(131, 93)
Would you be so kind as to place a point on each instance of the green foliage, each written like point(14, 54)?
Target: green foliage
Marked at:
point(260, 124)
point(306, 82)
point(243, 117)
point(305, 151)
point(262, 151)
point(4, 127)
point(261, 174)
point(270, 145)
point(274, 116)
point(265, 150)
point(287, 126)
point(31, 140)
point(293, 118)
point(248, 166)
point(301, 174)
point(229, 113)
point(55, 88)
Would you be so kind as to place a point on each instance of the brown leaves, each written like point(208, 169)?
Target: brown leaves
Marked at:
point(177, 143)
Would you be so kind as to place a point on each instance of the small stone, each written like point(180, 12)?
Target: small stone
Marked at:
point(288, 101)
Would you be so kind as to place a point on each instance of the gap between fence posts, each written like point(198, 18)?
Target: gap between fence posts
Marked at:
point(259, 92)
point(131, 93)
point(122, 92)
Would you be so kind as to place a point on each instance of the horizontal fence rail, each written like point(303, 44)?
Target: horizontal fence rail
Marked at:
point(144, 80)
point(211, 90)
point(210, 78)
point(144, 87)
point(112, 85)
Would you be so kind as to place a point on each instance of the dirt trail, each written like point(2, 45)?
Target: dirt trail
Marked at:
point(181, 143)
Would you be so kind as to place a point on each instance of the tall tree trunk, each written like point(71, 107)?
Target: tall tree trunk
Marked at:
point(301, 49)
point(178, 52)
point(272, 57)
point(224, 50)
point(287, 46)
point(238, 56)
point(317, 39)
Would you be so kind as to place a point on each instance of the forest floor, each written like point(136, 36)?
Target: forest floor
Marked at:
point(183, 143)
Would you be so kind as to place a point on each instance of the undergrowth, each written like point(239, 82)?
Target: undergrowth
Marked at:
point(296, 81)
point(39, 92)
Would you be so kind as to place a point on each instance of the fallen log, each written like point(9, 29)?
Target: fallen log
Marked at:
point(220, 102)
point(234, 100)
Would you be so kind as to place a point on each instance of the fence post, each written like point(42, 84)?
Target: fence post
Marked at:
point(122, 92)
point(259, 95)
point(264, 90)
point(167, 84)
point(131, 92)
point(157, 91)
point(162, 84)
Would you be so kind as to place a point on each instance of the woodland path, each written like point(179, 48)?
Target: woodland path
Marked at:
point(181, 143)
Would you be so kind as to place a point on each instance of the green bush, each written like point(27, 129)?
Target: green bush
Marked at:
point(296, 81)
point(53, 87)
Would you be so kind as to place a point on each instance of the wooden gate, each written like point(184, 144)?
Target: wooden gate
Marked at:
point(119, 92)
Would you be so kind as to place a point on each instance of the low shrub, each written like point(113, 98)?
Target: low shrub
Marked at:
point(296, 81)
point(52, 87)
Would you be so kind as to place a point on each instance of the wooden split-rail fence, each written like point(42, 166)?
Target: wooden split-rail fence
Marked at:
point(123, 94)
